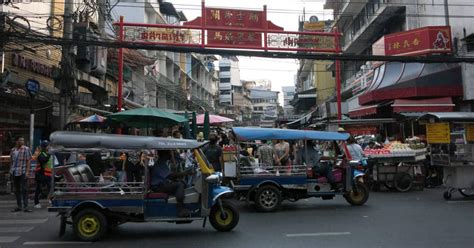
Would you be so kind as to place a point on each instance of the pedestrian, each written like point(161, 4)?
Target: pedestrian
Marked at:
point(282, 151)
point(133, 166)
point(20, 157)
point(355, 150)
point(266, 155)
point(214, 153)
point(43, 170)
point(224, 140)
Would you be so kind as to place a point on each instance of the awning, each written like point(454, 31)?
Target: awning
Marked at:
point(364, 111)
point(449, 116)
point(363, 121)
point(443, 104)
point(305, 119)
point(398, 80)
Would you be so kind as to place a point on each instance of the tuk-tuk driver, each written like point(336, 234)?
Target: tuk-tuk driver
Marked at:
point(165, 181)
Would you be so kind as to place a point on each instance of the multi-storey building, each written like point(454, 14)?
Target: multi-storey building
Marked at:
point(229, 76)
point(288, 95)
point(403, 27)
point(265, 107)
point(172, 80)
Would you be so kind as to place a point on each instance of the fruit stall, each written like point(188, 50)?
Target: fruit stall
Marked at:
point(397, 165)
point(450, 136)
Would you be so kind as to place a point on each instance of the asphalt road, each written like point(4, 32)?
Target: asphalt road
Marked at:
point(389, 219)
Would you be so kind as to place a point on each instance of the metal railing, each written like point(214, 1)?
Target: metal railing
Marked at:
point(101, 188)
point(270, 170)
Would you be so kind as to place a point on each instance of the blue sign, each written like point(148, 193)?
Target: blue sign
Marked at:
point(32, 86)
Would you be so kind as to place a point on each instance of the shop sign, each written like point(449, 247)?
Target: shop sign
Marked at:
point(361, 130)
point(426, 40)
point(31, 65)
point(32, 86)
point(159, 35)
point(438, 133)
point(314, 26)
point(469, 128)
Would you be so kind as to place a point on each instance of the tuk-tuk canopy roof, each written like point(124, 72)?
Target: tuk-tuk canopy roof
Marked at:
point(449, 116)
point(249, 133)
point(74, 140)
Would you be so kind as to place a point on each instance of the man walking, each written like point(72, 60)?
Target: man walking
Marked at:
point(20, 158)
point(43, 171)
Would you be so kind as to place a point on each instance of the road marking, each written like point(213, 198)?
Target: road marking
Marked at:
point(8, 239)
point(56, 243)
point(15, 229)
point(460, 201)
point(30, 221)
point(295, 235)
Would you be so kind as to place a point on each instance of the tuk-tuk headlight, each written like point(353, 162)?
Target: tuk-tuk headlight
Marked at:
point(221, 176)
point(214, 178)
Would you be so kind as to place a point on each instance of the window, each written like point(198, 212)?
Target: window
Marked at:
point(225, 80)
point(225, 68)
point(260, 108)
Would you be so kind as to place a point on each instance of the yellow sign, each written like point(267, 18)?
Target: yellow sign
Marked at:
point(438, 133)
point(314, 26)
point(469, 132)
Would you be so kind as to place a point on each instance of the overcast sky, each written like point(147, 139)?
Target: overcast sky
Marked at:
point(284, 13)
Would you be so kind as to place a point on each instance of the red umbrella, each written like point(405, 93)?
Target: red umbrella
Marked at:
point(213, 119)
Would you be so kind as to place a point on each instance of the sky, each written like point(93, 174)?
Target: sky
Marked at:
point(283, 13)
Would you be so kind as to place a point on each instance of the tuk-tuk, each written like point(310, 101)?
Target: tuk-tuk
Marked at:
point(93, 204)
point(268, 185)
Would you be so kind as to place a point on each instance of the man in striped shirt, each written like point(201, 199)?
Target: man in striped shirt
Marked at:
point(20, 158)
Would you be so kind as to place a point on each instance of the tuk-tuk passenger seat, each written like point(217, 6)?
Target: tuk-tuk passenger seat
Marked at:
point(157, 195)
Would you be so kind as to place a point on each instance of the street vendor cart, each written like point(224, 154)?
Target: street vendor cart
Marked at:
point(450, 136)
point(396, 165)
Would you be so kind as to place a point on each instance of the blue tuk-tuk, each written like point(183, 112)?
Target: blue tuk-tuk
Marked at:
point(268, 185)
point(92, 204)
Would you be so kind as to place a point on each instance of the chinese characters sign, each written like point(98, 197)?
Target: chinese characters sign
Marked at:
point(420, 41)
point(234, 18)
point(237, 19)
point(230, 28)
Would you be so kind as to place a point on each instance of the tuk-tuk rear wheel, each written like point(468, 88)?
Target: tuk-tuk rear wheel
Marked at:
point(89, 225)
point(358, 195)
point(267, 198)
point(224, 222)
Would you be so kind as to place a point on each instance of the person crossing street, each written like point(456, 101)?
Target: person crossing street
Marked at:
point(20, 158)
point(43, 171)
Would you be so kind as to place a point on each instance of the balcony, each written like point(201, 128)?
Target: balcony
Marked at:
point(369, 22)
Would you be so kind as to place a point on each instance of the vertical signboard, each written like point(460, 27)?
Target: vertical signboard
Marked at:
point(469, 128)
point(438, 133)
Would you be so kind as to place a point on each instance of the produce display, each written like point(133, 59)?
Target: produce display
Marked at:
point(396, 149)
point(229, 148)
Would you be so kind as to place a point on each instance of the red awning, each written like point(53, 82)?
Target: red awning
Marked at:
point(364, 111)
point(443, 104)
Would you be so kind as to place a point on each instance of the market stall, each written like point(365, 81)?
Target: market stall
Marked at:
point(397, 165)
point(450, 136)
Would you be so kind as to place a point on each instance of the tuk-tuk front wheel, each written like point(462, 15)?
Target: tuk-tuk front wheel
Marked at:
point(89, 225)
point(358, 195)
point(224, 219)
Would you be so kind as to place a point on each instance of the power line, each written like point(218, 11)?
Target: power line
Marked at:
point(235, 52)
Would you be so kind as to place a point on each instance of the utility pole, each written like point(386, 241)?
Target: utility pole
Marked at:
point(67, 65)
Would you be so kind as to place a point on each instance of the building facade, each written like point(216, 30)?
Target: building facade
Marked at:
point(229, 76)
point(265, 107)
point(169, 80)
point(288, 95)
point(402, 27)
